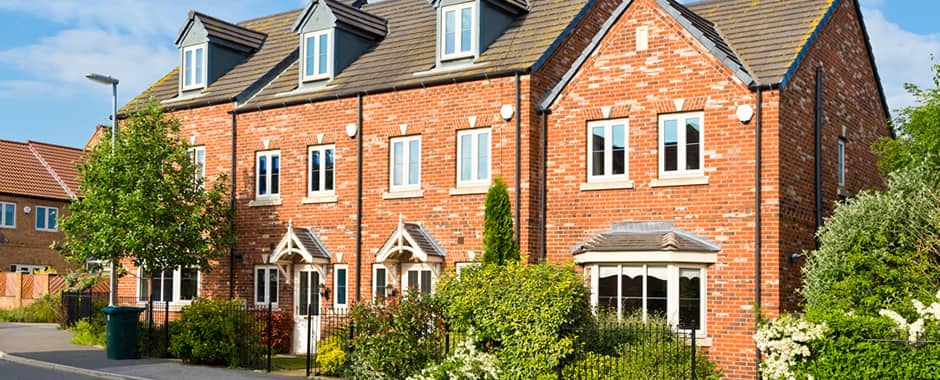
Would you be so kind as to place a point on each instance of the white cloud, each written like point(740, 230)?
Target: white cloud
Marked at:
point(62, 60)
point(902, 56)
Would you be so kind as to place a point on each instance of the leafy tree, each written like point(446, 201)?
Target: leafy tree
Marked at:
point(145, 201)
point(918, 132)
point(498, 241)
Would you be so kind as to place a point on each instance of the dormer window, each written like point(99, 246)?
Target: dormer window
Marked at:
point(194, 67)
point(316, 53)
point(458, 30)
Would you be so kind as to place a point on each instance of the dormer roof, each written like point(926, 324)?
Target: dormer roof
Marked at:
point(346, 14)
point(221, 30)
point(522, 5)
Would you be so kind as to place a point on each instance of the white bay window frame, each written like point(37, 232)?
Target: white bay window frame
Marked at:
point(195, 69)
point(673, 271)
point(320, 53)
point(461, 50)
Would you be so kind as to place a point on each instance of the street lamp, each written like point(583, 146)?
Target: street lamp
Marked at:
point(102, 79)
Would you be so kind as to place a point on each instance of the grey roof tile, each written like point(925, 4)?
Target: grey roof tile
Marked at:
point(645, 237)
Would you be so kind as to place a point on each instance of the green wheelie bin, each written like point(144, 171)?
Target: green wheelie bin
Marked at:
point(122, 331)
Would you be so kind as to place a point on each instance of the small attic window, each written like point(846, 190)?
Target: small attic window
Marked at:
point(458, 28)
point(316, 55)
point(193, 74)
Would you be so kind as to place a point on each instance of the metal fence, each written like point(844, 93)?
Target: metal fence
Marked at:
point(82, 304)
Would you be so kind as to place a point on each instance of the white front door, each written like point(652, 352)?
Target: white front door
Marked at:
point(306, 308)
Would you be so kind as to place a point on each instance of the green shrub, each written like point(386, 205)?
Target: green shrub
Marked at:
point(526, 315)
point(499, 242)
point(153, 343)
point(43, 310)
point(879, 249)
point(218, 332)
point(395, 338)
point(865, 347)
point(90, 331)
point(331, 359)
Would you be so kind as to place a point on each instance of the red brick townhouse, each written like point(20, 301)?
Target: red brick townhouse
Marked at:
point(360, 140)
point(37, 182)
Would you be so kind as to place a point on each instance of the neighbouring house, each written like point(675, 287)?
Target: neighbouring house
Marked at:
point(360, 140)
point(37, 182)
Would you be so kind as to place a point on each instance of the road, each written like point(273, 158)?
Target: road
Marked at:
point(14, 371)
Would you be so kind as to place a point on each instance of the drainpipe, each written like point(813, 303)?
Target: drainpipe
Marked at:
point(359, 197)
point(543, 230)
point(818, 154)
point(231, 248)
point(518, 158)
point(757, 212)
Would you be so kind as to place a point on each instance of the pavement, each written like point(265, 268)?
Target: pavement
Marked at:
point(46, 350)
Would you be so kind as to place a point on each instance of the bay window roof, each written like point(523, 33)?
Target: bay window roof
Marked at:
point(645, 237)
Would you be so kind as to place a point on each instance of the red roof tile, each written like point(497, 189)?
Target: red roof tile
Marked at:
point(24, 171)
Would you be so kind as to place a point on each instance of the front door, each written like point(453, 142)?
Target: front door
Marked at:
point(306, 308)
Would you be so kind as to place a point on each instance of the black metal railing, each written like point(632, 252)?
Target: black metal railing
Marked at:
point(77, 305)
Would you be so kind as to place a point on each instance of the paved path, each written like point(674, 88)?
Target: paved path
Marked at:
point(44, 344)
point(14, 371)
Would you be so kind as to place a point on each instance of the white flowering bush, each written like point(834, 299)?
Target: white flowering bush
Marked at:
point(466, 363)
point(784, 342)
point(925, 314)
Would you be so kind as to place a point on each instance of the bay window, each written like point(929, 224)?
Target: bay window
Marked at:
point(674, 292)
point(179, 285)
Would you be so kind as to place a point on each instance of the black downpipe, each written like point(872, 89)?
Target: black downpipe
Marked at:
point(359, 197)
point(757, 212)
point(544, 190)
point(818, 156)
point(518, 158)
point(231, 249)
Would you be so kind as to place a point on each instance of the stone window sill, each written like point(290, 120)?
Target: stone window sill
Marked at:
point(403, 194)
point(320, 198)
point(682, 181)
point(469, 190)
point(262, 202)
point(606, 185)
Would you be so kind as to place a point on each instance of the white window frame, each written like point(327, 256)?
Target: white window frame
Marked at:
point(316, 58)
point(672, 291)
point(3, 212)
point(337, 302)
point(185, 69)
point(194, 153)
point(680, 171)
point(267, 284)
point(406, 163)
point(46, 222)
point(458, 21)
point(375, 285)
point(608, 175)
point(840, 166)
point(421, 267)
point(177, 288)
point(475, 157)
point(311, 192)
point(269, 154)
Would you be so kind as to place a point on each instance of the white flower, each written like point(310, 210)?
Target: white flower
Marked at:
point(916, 329)
point(898, 319)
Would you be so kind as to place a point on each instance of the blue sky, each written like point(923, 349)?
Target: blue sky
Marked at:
point(47, 46)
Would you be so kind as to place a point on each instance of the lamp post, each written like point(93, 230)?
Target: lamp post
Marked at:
point(108, 80)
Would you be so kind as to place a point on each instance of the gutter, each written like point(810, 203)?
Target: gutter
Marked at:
point(818, 145)
point(543, 214)
point(758, 141)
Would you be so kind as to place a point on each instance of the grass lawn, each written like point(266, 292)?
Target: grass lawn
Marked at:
point(287, 363)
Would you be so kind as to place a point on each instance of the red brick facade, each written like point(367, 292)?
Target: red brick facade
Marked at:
point(675, 74)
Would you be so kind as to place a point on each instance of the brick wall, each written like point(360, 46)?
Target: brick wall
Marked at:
point(640, 86)
point(852, 108)
point(24, 244)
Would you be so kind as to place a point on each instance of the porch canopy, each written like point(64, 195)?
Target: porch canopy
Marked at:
point(645, 242)
point(410, 243)
point(302, 244)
